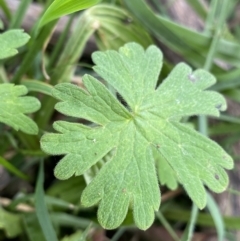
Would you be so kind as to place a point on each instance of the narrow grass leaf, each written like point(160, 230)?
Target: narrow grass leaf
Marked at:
point(167, 226)
point(68, 220)
point(41, 209)
point(217, 217)
point(38, 86)
point(233, 191)
point(193, 45)
point(116, 27)
point(199, 8)
point(58, 203)
point(32, 227)
point(67, 62)
point(85, 234)
point(5, 9)
point(204, 219)
point(60, 8)
point(6, 164)
point(118, 234)
point(188, 233)
point(19, 15)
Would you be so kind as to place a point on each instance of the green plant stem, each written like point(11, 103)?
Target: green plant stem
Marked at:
point(229, 118)
point(3, 75)
point(203, 125)
point(65, 66)
point(166, 225)
point(204, 219)
point(60, 43)
point(198, 8)
point(161, 8)
point(29, 141)
point(210, 17)
point(19, 15)
point(202, 120)
point(118, 234)
point(217, 35)
point(5, 9)
point(41, 208)
point(232, 191)
point(217, 217)
point(35, 46)
point(11, 168)
point(193, 219)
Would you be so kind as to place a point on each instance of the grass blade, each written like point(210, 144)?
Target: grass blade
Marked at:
point(166, 225)
point(60, 8)
point(41, 209)
point(188, 233)
point(85, 233)
point(38, 86)
point(6, 164)
point(32, 227)
point(217, 217)
point(17, 18)
point(204, 219)
point(5, 9)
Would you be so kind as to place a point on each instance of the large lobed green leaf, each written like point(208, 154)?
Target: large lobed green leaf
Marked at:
point(10, 41)
point(150, 128)
point(14, 105)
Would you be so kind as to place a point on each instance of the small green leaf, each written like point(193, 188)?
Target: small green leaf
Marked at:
point(14, 105)
point(150, 123)
point(10, 41)
point(60, 8)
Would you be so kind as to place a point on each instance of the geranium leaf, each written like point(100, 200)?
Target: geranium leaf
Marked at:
point(10, 41)
point(14, 105)
point(166, 174)
point(150, 126)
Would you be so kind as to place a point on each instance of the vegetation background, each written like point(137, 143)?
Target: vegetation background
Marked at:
point(205, 34)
